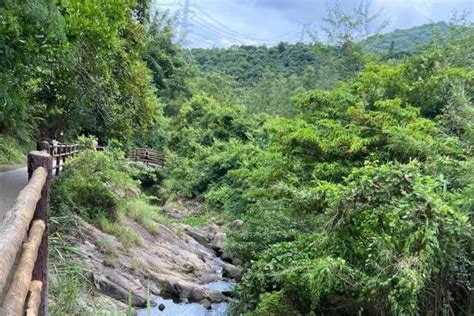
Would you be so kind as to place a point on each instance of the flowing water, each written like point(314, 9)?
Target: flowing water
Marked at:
point(172, 308)
point(185, 309)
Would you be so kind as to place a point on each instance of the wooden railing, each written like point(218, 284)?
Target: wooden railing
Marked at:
point(149, 157)
point(24, 264)
point(59, 152)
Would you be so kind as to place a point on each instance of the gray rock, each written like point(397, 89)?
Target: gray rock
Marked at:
point(227, 256)
point(212, 231)
point(119, 289)
point(161, 307)
point(206, 304)
point(169, 263)
point(218, 242)
point(237, 224)
point(233, 272)
point(199, 236)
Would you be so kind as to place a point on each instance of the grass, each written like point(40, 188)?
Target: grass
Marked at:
point(107, 249)
point(67, 277)
point(200, 219)
point(137, 265)
point(145, 214)
point(10, 151)
point(104, 246)
point(128, 237)
point(141, 211)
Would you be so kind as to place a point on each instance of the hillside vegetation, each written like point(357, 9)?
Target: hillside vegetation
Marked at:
point(348, 169)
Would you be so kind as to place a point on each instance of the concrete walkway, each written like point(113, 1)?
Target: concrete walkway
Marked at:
point(11, 183)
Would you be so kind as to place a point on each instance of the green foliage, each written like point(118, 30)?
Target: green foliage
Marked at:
point(169, 69)
point(400, 43)
point(247, 63)
point(127, 236)
point(31, 37)
point(74, 67)
point(265, 79)
point(381, 252)
point(273, 304)
point(93, 184)
point(357, 201)
point(148, 176)
point(10, 151)
point(255, 238)
point(86, 142)
point(203, 130)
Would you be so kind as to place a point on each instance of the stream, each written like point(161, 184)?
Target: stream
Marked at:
point(176, 308)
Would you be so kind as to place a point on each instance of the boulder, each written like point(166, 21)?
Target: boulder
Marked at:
point(232, 272)
point(199, 236)
point(213, 230)
point(119, 288)
point(206, 303)
point(188, 291)
point(218, 242)
point(237, 224)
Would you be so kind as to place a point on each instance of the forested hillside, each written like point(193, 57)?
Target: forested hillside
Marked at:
point(406, 42)
point(338, 177)
point(352, 201)
point(247, 63)
point(266, 78)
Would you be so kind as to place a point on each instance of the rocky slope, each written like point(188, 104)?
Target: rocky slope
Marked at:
point(175, 261)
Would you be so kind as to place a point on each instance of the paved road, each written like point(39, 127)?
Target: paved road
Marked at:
point(11, 183)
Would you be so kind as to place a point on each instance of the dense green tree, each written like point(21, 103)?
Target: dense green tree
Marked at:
point(170, 70)
point(334, 190)
point(32, 40)
point(75, 67)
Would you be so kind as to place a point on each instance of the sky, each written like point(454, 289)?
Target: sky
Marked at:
point(222, 23)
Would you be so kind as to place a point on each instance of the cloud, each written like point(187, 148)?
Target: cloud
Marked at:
point(243, 21)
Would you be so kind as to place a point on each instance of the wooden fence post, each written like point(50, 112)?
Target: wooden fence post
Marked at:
point(40, 273)
point(44, 146)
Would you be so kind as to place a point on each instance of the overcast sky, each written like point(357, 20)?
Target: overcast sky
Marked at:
point(227, 22)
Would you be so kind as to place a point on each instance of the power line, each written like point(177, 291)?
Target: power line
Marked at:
point(241, 34)
point(230, 34)
point(208, 24)
point(215, 30)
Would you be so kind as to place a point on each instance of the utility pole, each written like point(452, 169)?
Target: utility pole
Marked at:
point(304, 30)
point(185, 22)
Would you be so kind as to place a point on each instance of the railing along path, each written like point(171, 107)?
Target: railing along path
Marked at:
point(149, 157)
point(24, 230)
point(24, 235)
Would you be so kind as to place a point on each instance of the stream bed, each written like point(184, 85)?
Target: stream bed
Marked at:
point(173, 308)
point(185, 309)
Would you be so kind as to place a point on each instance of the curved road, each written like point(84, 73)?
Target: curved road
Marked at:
point(11, 183)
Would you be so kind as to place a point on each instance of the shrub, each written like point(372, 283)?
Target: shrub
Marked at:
point(128, 237)
point(390, 242)
point(10, 151)
point(149, 177)
point(144, 213)
point(93, 184)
